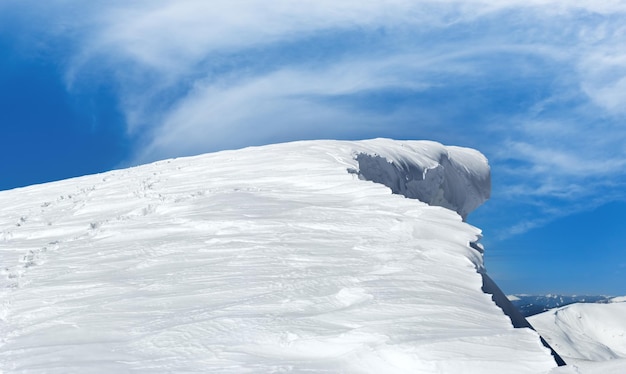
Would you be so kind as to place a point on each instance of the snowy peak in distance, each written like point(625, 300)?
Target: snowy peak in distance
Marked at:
point(268, 259)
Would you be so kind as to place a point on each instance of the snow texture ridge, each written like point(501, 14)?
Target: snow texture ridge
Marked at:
point(262, 260)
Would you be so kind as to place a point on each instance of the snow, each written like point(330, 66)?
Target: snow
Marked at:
point(590, 337)
point(262, 260)
point(619, 299)
point(616, 366)
point(452, 177)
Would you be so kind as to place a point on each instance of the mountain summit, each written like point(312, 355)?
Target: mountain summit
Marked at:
point(282, 258)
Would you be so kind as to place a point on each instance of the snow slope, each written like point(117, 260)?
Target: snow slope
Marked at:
point(262, 260)
point(592, 332)
point(615, 366)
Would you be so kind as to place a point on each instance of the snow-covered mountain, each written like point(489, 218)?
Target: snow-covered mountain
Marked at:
point(273, 259)
point(587, 333)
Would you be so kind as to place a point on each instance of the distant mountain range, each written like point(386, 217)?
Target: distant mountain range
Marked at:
point(529, 305)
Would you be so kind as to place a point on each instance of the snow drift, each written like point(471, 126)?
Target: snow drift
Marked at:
point(269, 259)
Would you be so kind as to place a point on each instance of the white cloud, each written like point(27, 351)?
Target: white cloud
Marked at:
point(572, 162)
point(175, 40)
point(173, 36)
point(280, 104)
point(604, 78)
point(169, 35)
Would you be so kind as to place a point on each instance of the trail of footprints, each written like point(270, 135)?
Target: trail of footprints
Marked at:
point(33, 257)
point(30, 220)
point(13, 276)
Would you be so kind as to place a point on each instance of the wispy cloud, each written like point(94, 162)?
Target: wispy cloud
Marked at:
point(604, 77)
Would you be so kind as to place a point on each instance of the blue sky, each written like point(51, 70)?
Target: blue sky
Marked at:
point(539, 86)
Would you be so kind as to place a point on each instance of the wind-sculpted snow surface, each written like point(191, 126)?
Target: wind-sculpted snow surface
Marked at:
point(262, 260)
